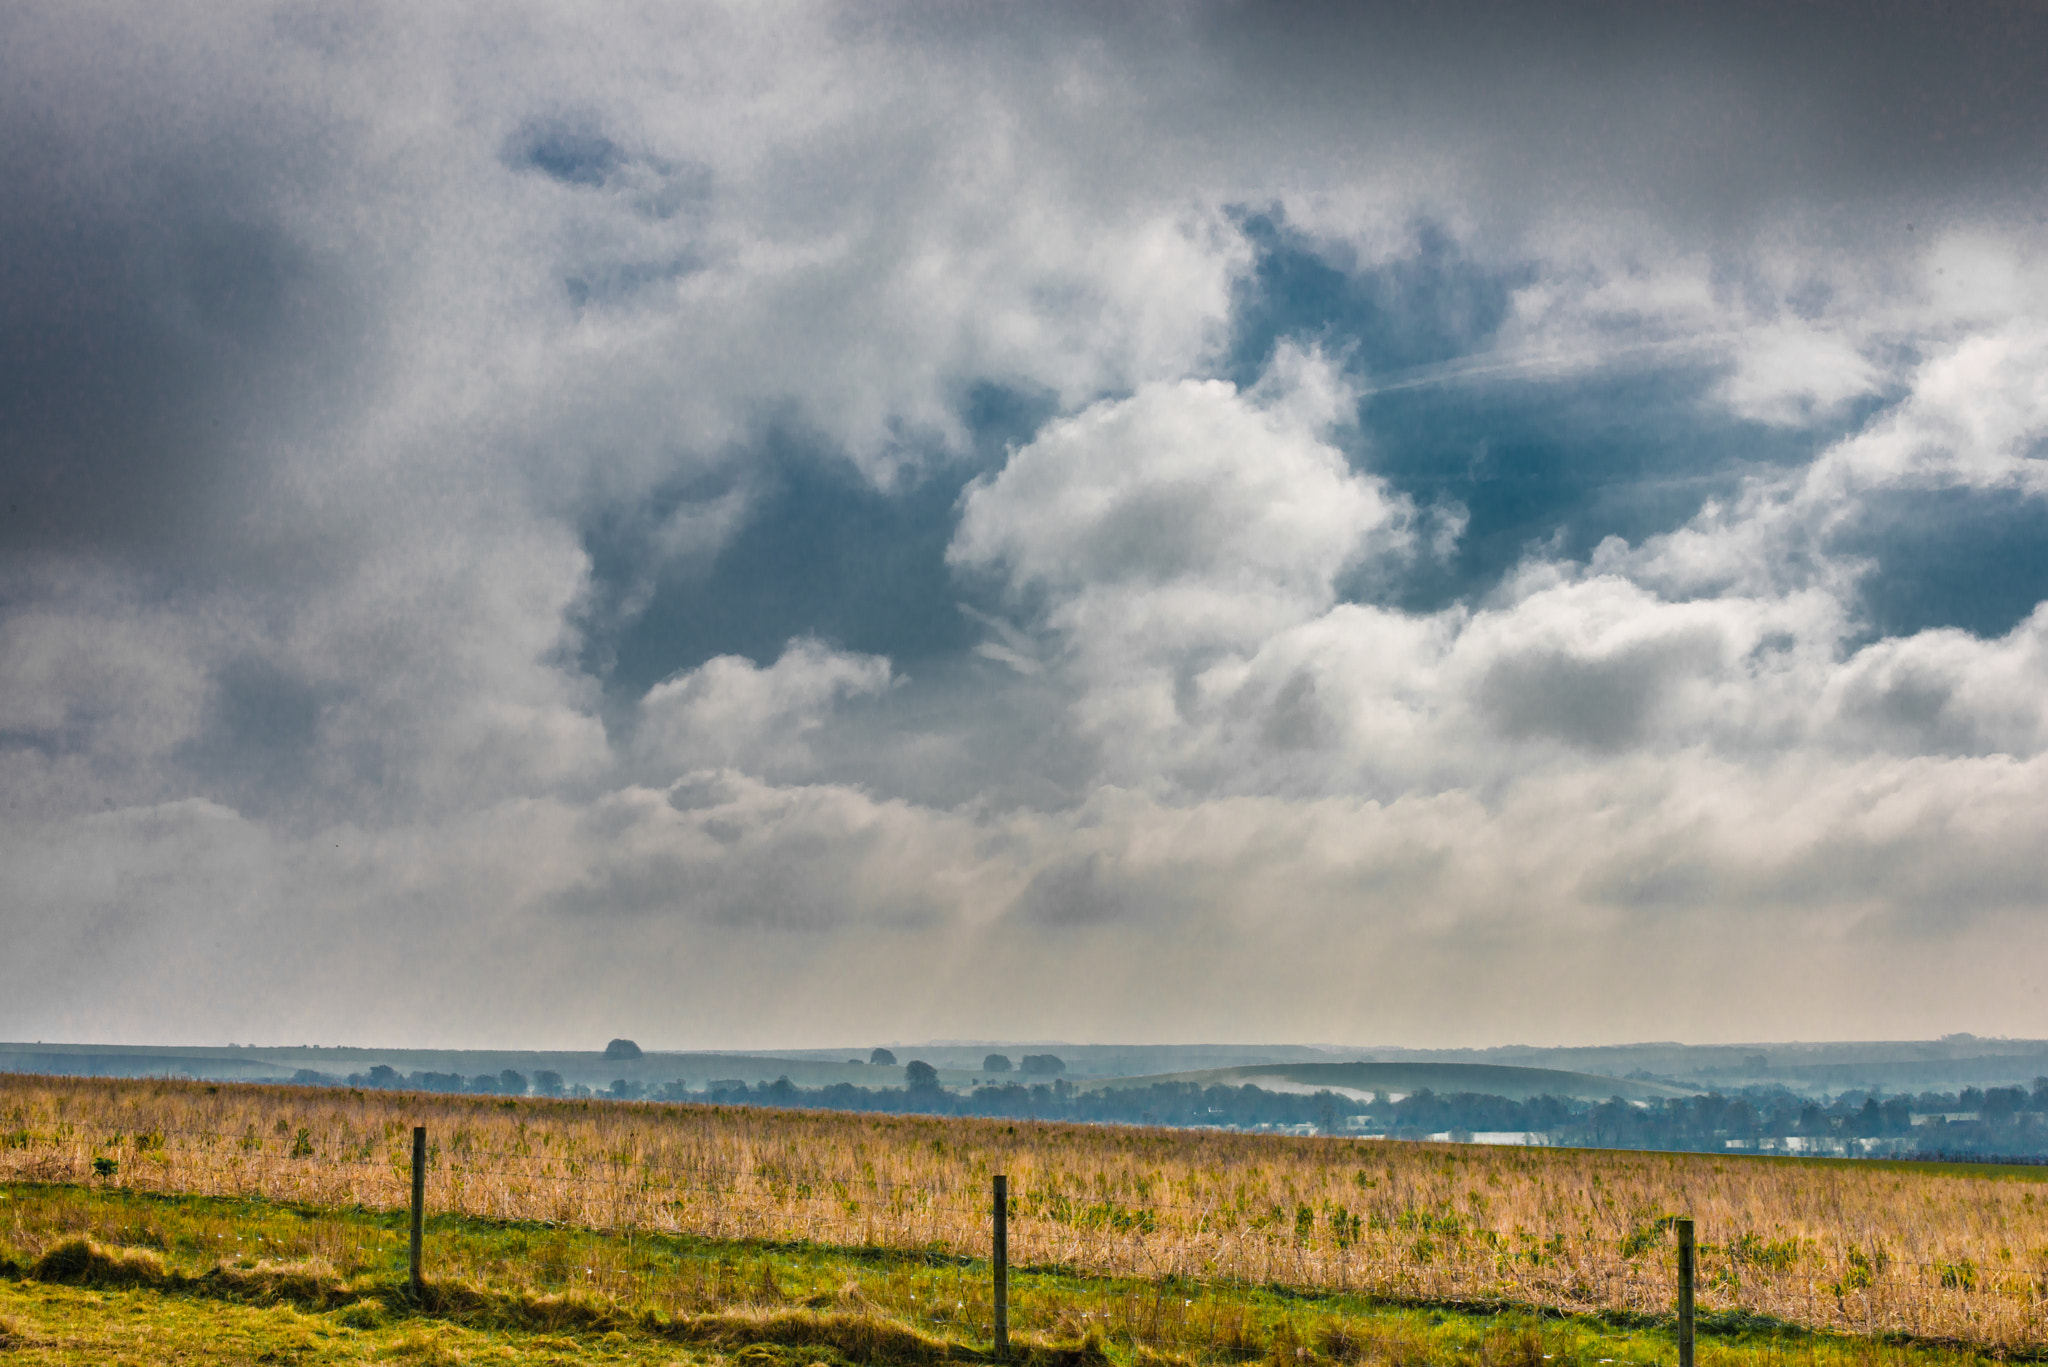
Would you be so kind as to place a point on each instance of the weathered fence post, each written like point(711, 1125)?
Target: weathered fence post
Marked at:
point(1685, 1269)
point(1002, 1266)
point(419, 1201)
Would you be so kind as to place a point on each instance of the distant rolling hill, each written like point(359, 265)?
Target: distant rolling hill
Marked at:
point(592, 1068)
point(1488, 1079)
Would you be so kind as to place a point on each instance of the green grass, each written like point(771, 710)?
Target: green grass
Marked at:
point(309, 1284)
point(43, 1324)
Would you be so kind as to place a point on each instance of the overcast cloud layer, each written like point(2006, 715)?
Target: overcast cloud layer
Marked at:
point(759, 526)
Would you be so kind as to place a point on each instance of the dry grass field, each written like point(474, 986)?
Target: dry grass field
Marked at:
point(1866, 1248)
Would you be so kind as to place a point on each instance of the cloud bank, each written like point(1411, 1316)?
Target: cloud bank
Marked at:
point(1430, 526)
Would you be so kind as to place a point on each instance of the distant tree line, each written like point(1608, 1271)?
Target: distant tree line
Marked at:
point(510, 1082)
point(2001, 1121)
point(1165, 1103)
point(1972, 1123)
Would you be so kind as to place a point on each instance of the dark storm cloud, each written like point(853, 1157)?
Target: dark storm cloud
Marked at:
point(162, 324)
point(1707, 111)
point(149, 352)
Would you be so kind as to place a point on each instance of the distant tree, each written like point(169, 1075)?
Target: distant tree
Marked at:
point(512, 1083)
point(920, 1076)
point(883, 1057)
point(996, 1063)
point(2003, 1103)
point(484, 1083)
point(677, 1090)
point(384, 1075)
point(1042, 1065)
point(624, 1090)
point(547, 1082)
point(622, 1048)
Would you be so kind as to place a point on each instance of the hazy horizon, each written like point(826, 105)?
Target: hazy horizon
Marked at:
point(797, 1047)
point(1454, 524)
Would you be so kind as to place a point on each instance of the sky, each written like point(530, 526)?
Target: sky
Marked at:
point(749, 526)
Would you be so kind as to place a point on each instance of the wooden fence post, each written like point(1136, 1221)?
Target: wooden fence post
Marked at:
point(1002, 1266)
point(419, 1201)
point(1685, 1273)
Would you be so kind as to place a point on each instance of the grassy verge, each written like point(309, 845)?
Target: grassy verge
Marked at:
point(311, 1284)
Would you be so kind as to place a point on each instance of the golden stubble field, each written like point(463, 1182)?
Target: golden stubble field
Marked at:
point(1955, 1254)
